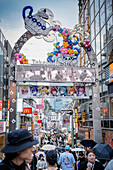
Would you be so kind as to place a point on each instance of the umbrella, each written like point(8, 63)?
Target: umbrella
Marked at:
point(60, 141)
point(60, 149)
point(103, 151)
point(48, 147)
point(40, 152)
point(88, 143)
point(77, 149)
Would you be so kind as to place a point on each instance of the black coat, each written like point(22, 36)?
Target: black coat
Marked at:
point(97, 166)
point(8, 165)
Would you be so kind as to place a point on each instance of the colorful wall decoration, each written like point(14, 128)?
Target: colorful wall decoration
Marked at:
point(21, 57)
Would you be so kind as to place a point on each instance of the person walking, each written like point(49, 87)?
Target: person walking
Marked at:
point(51, 158)
point(67, 160)
point(41, 162)
point(91, 163)
point(18, 149)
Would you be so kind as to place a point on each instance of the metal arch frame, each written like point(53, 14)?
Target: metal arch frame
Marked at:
point(95, 98)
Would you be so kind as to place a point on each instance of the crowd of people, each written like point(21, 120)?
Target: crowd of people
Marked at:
point(21, 154)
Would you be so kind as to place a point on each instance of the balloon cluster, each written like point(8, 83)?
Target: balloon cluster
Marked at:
point(67, 48)
point(22, 59)
point(86, 44)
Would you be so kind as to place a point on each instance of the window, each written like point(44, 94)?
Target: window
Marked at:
point(92, 12)
point(111, 106)
point(98, 43)
point(108, 7)
point(101, 2)
point(110, 29)
point(103, 37)
point(92, 31)
point(96, 6)
point(98, 58)
point(97, 21)
point(93, 45)
point(102, 15)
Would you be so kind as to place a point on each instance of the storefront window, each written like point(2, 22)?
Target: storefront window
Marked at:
point(97, 24)
point(108, 7)
point(92, 31)
point(103, 37)
point(110, 29)
point(98, 43)
point(92, 12)
point(102, 15)
point(96, 6)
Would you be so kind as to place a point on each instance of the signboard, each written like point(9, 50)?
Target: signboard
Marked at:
point(66, 121)
point(45, 73)
point(1, 103)
point(39, 106)
point(27, 110)
point(78, 91)
point(39, 121)
point(2, 126)
point(35, 112)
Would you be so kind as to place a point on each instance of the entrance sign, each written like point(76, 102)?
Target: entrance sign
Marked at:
point(57, 75)
point(54, 74)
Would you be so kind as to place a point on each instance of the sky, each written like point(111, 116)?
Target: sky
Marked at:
point(12, 23)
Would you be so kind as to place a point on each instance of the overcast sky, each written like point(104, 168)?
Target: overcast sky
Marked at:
point(12, 23)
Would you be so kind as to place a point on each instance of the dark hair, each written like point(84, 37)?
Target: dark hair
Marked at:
point(40, 156)
point(51, 157)
point(11, 156)
point(90, 151)
point(81, 153)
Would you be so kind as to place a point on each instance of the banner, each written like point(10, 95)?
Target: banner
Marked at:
point(45, 73)
point(66, 121)
point(53, 91)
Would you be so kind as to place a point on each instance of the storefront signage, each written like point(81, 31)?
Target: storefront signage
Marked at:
point(2, 126)
point(39, 106)
point(1, 103)
point(27, 110)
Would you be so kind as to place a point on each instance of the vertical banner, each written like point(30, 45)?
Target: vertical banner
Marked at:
point(83, 117)
point(76, 115)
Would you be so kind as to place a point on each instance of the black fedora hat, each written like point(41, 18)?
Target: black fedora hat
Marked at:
point(19, 140)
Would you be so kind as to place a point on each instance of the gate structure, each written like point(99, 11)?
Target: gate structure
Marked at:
point(41, 25)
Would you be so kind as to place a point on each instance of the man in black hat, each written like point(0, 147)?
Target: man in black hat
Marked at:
point(18, 149)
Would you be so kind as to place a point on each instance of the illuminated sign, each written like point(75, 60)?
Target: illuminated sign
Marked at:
point(27, 110)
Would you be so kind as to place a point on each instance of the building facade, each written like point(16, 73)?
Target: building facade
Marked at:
point(96, 16)
point(5, 53)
